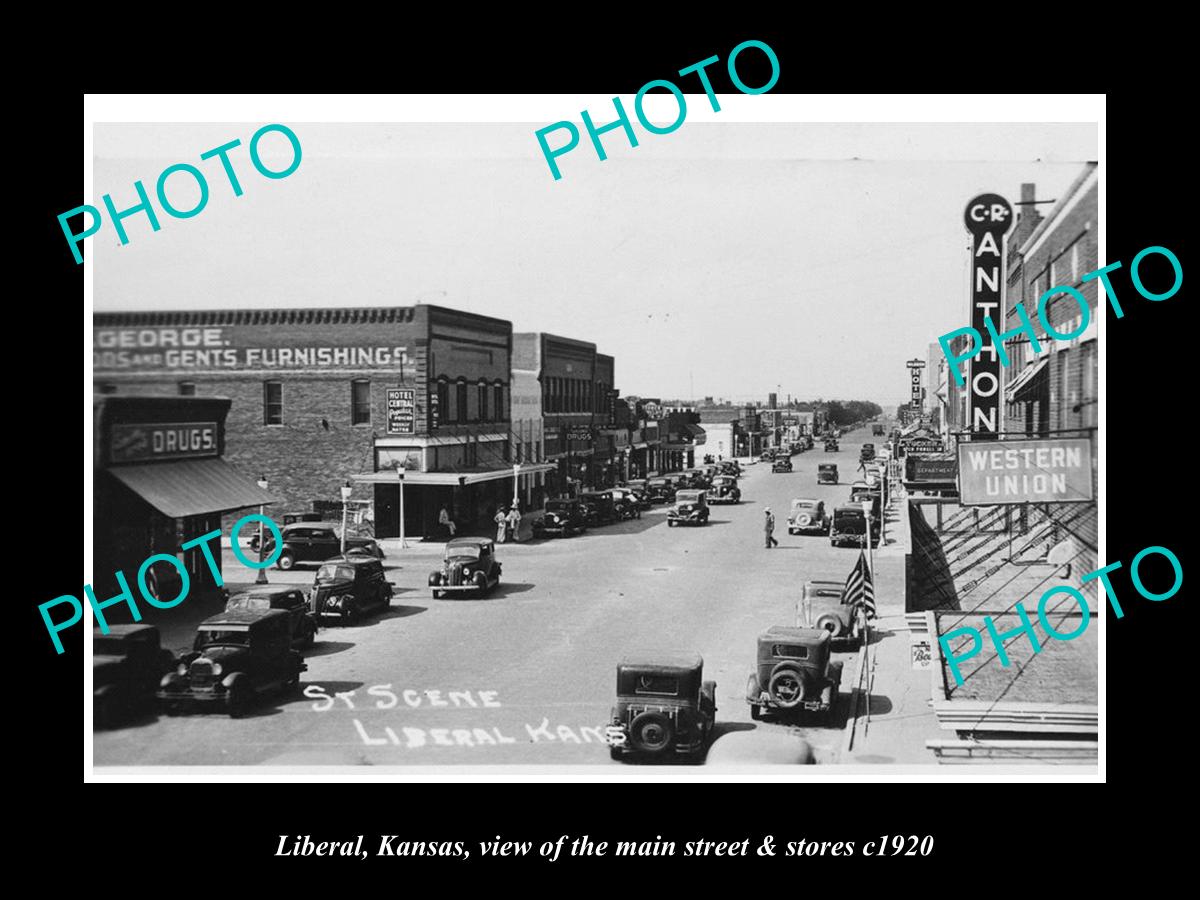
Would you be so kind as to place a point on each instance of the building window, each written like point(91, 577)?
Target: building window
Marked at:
point(460, 401)
point(1075, 263)
point(482, 390)
point(187, 389)
point(106, 387)
point(360, 402)
point(499, 411)
point(272, 402)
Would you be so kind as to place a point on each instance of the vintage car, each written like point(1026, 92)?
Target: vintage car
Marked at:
point(308, 542)
point(663, 706)
point(759, 748)
point(469, 565)
point(808, 441)
point(561, 519)
point(626, 503)
point(867, 452)
point(660, 490)
point(127, 665)
point(348, 587)
point(304, 624)
point(766, 456)
point(731, 467)
point(849, 527)
point(821, 607)
point(877, 429)
point(236, 657)
point(831, 446)
point(690, 508)
point(781, 465)
point(598, 508)
point(724, 489)
point(827, 473)
point(640, 492)
point(861, 492)
point(808, 517)
point(793, 673)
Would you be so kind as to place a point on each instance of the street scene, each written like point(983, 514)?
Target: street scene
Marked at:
point(527, 483)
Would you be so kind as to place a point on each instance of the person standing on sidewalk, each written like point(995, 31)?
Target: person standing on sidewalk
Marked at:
point(514, 524)
point(446, 522)
point(769, 528)
point(501, 520)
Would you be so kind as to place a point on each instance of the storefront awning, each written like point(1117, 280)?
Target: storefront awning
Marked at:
point(192, 487)
point(1023, 380)
point(452, 479)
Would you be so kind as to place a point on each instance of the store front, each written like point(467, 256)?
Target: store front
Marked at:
point(160, 482)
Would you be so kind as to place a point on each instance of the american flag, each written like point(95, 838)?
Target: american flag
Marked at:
point(860, 591)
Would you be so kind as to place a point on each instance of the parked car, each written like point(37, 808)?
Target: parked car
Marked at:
point(562, 518)
point(661, 490)
point(822, 606)
point(827, 473)
point(348, 587)
point(766, 456)
point(793, 674)
point(731, 467)
point(626, 503)
point(304, 624)
point(308, 542)
point(237, 656)
point(781, 465)
point(598, 508)
point(808, 517)
point(641, 492)
point(691, 508)
point(876, 429)
point(468, 565)
point(831, 446)
point(849, 527)
point(860, 493)
point(868, 452)
point(664, 707)
point(127, 665)
point(724, 489)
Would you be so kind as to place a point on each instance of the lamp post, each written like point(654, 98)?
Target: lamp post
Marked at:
point(261, 577)
point(400, 475)
point(347, 489)
point(516, 485)
point(866, 507)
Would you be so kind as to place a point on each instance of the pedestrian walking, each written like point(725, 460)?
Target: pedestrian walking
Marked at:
point(769, 528)
point(446, 522)
point(501, 520)
point(514, 523)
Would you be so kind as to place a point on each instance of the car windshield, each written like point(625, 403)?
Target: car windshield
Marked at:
point(471, 550)
point(206, 637)
point(558, 506)
point(326, 574)
point(803, 504)
point(248, 601)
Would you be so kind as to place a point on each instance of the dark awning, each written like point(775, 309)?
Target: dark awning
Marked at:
point(1024, 381)
point(192, 487)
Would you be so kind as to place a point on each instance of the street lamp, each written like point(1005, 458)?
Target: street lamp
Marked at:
point(261, 577)
point(347, 489)
point(866, 507)
point(400, 475)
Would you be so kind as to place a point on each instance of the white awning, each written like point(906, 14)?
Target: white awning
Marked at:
point(1027, 375)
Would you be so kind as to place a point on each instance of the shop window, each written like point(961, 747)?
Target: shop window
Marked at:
point(360, 402)
point(499, 397)
point(460, 401)
point(482, 390)
point(272, 402)
point(187, 389)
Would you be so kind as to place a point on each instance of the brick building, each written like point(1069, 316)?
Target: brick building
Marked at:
point(325, 396)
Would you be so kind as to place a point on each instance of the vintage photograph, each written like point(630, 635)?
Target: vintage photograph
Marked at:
point(409, 454)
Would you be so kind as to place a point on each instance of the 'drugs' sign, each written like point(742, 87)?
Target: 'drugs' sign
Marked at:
point(1055, 470)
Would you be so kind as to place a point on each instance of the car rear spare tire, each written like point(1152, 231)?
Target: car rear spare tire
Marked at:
point(787, 686)
point(830, 623)
point(651, 732)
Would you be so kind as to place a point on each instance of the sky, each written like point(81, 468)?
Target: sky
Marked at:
point(725, 260)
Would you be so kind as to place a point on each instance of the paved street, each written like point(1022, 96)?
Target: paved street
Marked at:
point(527, 675)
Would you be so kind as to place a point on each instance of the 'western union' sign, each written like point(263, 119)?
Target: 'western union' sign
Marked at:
point(1054, 470)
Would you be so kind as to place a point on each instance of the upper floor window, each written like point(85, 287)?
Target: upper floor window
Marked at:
point(272, 402)
point(498, 412)
point(460, 402)
point(187, 389)
point(443, 400)
point(360, 402)
point(482, 391)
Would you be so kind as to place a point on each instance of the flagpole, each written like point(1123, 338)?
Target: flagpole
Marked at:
point(866, 506)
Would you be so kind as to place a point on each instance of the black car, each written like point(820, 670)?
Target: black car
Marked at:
point(348, 587)
point(309, 542)
point(561, 519)
point(292, 600)
point(236, 657)
point(664, 707)
point(660, 490)
point(598, 508)
point(127, 665)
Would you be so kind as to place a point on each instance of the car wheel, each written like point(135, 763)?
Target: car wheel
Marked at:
point(311, 638)
point(651, 732)
point(755, 712)
point(237, 700)
point(285, 561)
point(436, 594)
point(614, 754)
point(670, 523)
